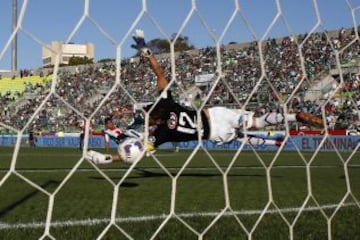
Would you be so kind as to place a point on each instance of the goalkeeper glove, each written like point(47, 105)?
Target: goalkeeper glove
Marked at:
point(150, 149)
point(140, 43)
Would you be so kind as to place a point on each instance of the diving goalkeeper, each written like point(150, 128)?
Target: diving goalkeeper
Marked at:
point(172, 122)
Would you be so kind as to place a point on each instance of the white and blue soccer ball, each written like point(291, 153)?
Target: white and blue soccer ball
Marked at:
point(131, 149)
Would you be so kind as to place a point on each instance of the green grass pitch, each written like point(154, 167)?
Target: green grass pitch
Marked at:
point(270, 195)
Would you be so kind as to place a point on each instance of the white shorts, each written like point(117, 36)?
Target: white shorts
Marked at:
point(224, 123)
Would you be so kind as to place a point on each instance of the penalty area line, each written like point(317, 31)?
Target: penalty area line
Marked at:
point(93, 222)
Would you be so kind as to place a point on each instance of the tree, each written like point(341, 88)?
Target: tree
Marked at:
point(182, 43)
point(74, 60)
point(159, 45)
point(104, 60)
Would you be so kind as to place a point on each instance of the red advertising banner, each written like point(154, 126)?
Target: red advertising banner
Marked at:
point(317, 132)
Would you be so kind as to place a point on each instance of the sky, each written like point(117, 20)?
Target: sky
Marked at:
point(111, 22)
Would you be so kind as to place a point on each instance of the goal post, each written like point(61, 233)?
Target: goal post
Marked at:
point(304, 187)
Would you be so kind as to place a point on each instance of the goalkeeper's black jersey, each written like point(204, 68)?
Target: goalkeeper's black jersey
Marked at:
point(178, 123)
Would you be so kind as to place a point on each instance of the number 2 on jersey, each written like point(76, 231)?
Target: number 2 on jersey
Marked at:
point(186, 124)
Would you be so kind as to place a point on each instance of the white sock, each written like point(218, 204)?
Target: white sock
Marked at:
point(291, 117)
point(274, 118)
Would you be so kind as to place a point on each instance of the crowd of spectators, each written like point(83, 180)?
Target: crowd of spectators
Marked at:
point(26, 73)
point(288, 68)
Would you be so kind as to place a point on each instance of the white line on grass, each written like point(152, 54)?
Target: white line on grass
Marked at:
point(169, 168)
point(92, 222)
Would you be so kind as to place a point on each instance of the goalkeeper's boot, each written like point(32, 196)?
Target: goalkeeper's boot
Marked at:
point(310, 119)
point(98, 158)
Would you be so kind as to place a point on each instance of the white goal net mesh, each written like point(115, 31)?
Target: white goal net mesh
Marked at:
point(275, 56)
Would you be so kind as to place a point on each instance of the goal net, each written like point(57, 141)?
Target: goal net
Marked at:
point(260, 56)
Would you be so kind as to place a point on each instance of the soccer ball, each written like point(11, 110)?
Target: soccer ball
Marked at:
point(130, 150)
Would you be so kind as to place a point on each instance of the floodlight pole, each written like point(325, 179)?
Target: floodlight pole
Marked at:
point(14, 41)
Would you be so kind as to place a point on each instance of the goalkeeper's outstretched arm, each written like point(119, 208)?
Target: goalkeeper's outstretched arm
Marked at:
point(162, 81)
point(146, 52)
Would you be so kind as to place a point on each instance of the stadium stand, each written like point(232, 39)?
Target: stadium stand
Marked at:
point(84, 86)
point(18, 85)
